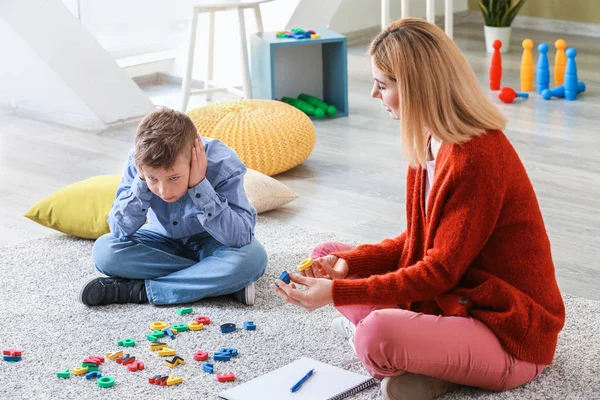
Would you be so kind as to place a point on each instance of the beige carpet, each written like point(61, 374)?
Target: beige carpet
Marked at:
point(41, 317)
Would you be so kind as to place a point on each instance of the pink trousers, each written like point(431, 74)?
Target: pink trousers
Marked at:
point(390, 341)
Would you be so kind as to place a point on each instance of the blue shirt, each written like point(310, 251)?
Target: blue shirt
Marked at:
point(218, 205)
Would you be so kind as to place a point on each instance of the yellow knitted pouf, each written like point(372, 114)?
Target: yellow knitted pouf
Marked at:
point(269, 136)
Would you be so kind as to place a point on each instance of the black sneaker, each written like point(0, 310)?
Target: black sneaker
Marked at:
point(99, 291)
point(246, 295)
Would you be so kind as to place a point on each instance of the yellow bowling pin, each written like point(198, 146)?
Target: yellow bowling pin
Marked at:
point(527, 66)
point(559, 62)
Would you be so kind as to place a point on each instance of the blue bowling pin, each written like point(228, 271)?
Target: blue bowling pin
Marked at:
point(570, 84)
point(543, 71)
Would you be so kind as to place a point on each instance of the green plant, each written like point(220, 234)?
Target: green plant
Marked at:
point(500, 12)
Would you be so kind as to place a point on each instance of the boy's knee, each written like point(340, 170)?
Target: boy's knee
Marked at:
point(257, 255)
point(103, 253)
point(253, 260)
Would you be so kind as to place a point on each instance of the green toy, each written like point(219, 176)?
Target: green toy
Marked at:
point(182, 311)
point(304, 107)
point(151, 337)
point(106, 382)
point(316, 102)
point(64, 374)
point(129, 342)
point(180, 327)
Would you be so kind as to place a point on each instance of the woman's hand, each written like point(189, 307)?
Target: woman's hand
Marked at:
point(328, 267)
point(319, 293)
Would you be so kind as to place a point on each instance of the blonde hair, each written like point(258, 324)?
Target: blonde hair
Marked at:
point(162, 136)
point(439, 92)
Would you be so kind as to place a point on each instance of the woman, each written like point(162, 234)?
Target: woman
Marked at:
point(467, 295)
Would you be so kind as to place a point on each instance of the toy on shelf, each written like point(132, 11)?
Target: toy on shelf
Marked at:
point(316, 102)
point(496, 66)
point(527, 66)
point(304, 107)
point(543, 70)
point(508, 95)
point(560, 61)
point(297, 33)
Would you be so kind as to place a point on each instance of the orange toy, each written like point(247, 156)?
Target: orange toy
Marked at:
point(560, 61)
point(527, 66)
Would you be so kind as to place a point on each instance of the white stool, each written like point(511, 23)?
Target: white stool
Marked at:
point(430, 13)
point(211, 7)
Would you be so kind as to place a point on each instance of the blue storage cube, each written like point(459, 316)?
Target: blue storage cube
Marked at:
point(288, 67)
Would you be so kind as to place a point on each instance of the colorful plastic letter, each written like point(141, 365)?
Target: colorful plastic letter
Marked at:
point(195, 326)
point(129, 342)
point(200, 355)
point(183, 311)
point(64, 374)
point(228, 377)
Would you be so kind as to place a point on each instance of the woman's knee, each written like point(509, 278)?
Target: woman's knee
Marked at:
point(379, 340)
point(327, 248)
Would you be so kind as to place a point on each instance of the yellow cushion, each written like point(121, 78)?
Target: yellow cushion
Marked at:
point(269, 136)
point(81, 209)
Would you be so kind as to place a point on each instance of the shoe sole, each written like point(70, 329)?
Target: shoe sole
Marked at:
point(413, 387)
point(250, 293)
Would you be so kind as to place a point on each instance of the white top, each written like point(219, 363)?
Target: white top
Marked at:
point(434, 147)
point(429, 181)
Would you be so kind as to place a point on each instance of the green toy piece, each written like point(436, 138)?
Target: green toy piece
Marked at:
point(183, 311)
point(92, 368)
point(152, 337)
point(297, 30)
point(281, 35)
point(158, 333)
point(180, 327)
point(106, 382)
point(64, 374)
point(129, 342)
point(316, 102)
point(304, 107)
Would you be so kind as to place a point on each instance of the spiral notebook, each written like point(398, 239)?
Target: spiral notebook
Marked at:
point(326, 383)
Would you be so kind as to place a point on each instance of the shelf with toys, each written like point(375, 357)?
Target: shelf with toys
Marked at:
point(304, 68)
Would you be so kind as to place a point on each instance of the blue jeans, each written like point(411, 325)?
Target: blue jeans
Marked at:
point(177, 272)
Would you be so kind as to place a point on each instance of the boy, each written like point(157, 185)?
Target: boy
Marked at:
point(198, 241)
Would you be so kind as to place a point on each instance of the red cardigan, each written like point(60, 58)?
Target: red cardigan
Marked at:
point(480, 250)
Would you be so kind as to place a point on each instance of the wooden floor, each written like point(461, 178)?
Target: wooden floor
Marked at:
point(353, 183)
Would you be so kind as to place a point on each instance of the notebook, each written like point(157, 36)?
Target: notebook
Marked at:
point(326, 383)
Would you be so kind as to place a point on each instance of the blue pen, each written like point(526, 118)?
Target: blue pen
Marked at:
point(301, 381)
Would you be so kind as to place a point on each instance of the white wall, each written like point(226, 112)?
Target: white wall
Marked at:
point(28, 84)
point(356, 15)
point(53, 66)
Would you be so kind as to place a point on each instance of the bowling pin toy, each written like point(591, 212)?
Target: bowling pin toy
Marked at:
point(543, 70)
point(527, 66)
point(496, 66)
point(571, 75)
point(508, 95)
point(559, 91)
point(559, 62)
